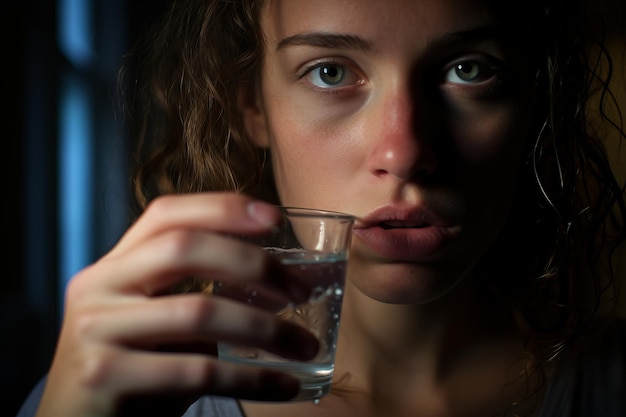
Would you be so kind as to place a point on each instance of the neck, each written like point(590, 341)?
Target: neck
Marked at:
point(429, 349)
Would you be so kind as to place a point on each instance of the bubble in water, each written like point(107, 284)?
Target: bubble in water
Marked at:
point(317, 293)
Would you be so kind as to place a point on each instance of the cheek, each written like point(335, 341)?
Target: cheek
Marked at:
point(311, 160)
point(491, 149)
point(492, 152)
point(492, 138)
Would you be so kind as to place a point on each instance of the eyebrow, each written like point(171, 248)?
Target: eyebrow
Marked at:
point(478, 34)
point(325, 40)
point(346, 41)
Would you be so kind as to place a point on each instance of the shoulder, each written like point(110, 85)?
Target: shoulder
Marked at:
point(592, 380)
point(209, 406)
point(31, 403)
point(204, 407)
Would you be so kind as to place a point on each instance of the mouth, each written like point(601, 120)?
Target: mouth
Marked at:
point(389, 225)
point(399, 217)
point(404, 233)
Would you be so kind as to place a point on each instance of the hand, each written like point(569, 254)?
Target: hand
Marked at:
point(127, 345)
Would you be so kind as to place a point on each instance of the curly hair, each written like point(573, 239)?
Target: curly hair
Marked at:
point(568, 215)
point(567, 220)
point(179, 83)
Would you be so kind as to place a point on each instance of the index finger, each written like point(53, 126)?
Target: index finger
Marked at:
point(218, 212)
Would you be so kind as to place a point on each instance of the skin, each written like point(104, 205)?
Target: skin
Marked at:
point(400, 133)
point(375, 146)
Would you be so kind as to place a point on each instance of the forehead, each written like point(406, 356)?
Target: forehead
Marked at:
point(387, 21)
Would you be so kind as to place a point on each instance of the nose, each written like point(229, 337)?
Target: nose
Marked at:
point(400, 146)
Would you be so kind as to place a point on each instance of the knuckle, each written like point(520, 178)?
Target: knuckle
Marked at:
point(175, 245)
point(159, 207)
point(94, 368)
point(196, 310)
point(86, 324)
point(79, 285)
point(203, 374)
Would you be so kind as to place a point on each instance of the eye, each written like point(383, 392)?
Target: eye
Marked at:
point(327, 75)
point(469, 72)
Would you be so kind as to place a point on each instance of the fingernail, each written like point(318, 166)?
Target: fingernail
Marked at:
point(262, 213)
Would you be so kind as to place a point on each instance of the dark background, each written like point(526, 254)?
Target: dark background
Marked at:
point(33, 70)
point(33, 67)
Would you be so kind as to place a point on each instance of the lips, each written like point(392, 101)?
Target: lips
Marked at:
point(401, 233)
point(401, 225)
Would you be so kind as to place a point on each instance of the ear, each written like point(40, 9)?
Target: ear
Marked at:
point(253, 116)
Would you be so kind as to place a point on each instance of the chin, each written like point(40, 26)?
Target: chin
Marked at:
point(405, 283)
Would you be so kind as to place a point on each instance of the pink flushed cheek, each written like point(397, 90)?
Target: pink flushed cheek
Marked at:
point(312, 169)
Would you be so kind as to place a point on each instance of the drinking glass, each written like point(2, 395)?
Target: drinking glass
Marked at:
point(314, 245)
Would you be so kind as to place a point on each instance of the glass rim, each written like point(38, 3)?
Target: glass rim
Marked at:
point(314, 212)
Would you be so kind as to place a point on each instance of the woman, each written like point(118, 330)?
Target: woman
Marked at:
point(456, 131)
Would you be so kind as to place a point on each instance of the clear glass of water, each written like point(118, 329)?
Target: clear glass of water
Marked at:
point(314, 245)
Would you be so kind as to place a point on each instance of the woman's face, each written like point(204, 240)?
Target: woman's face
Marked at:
point(411, 115)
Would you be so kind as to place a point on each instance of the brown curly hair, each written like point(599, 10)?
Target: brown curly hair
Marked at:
point(179, 83)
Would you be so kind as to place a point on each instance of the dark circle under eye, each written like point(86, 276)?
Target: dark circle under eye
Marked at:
point(468, 71)
point(331, 74)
